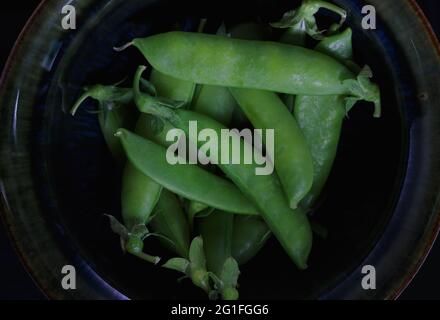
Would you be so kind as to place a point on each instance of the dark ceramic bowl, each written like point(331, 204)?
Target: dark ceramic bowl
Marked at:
point(57, 178)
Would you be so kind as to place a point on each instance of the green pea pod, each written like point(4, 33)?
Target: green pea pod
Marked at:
point(114, 112)
point(222, 61)
point(169, 221)
point(172, 88)
point(293, 160)
point(139, 196)
point(249, 236)
point(196, 209)
point(321, 119)
point(291, 228)
point(246, 31)
point(216, 230)
point(140, 193)
point(250, 233)
point(188, 181)
point(298, 23)
point(215, 102)
point(178, 90)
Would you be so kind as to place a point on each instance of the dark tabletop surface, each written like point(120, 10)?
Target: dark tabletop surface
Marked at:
point(15, 283)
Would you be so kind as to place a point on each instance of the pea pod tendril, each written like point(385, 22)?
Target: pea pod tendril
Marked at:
point(303, 19)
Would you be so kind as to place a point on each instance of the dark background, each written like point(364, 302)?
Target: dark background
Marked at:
point(15, 283)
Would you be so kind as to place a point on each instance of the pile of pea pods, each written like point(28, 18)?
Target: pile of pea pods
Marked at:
point(215, 218)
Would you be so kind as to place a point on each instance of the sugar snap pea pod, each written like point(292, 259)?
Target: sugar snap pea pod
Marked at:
point(223, 61)
point(172, 88)
point(215, 102)
point(246, 31)
point(140, 193)
point(249, 236)
point(139, 196)
point(321, 119)
point(293, 160)
point(291, 228)
point(197, 209)
point(169, 221)
point(302, 21)
point(216, 230)
point(113, 113)
point(298, 23)
point(189, 181)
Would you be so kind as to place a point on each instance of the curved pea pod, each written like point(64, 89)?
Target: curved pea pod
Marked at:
point(110, 121)
point(114, 112)
point(321, 118)
point(302, 22)
point(246, 31)
point(249, 236)
point(291, 228)
point(169, 220)
point(292, 158)
point(139, 196)
point(172, 88)
point(189, 181)
point(140, 193)
point(216, 230)
point(215, 102)
point(215, 60)
point(157, 130)
point(197, 210)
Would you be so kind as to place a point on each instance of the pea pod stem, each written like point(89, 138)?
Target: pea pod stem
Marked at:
point(194, 267)
point(302, 21)
point(114, 112)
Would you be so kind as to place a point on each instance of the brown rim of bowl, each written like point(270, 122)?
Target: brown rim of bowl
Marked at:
point(3, 205)
point(404, 282)
point(411, 274)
